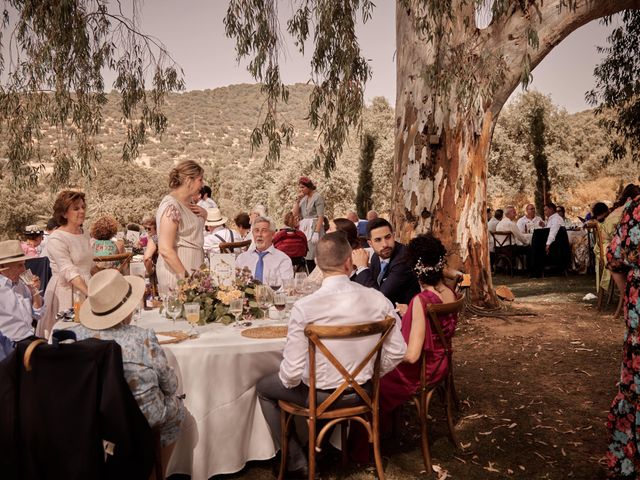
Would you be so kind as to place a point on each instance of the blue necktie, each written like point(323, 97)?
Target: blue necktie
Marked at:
point(260, 265)
point(383, 269)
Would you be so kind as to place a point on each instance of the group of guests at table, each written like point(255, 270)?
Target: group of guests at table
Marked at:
point(383, 280)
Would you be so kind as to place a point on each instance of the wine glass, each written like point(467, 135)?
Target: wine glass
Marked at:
point(264, 299)
point(280, 302)
point(288, 285)
point(274, 281)
point(192, 313)
point(300, 280)
point(235, 308)
point(173, 306)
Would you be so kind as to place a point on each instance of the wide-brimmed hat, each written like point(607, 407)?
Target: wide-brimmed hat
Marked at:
point(112, 297)
point(215, 218)
point(33, 230)
point(10, 251)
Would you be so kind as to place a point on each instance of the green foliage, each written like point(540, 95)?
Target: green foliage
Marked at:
point(537, 153)
point(53, 78)
point(364, 202)
point(617, 92)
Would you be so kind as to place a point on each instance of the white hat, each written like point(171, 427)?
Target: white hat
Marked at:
point(214, 218)
point(112, 297)
point(11, 251)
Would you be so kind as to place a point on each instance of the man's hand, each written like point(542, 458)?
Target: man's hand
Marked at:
point(360, 258)
point(198, 210)
point(402, 308)
point(547, 248)
point(34, 287)
point(541, 223)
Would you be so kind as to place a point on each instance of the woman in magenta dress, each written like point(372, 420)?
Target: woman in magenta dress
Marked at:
point(427, 258)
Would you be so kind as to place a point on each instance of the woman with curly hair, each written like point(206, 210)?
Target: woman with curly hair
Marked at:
point(102, 232)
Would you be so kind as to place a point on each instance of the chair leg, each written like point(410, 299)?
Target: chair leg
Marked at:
point(284, 444)
point(599, 305)
point(425, 398)
point(312, 448)
point(343, 443)
point(450, 423)
point(454, 393)
point(376, 446)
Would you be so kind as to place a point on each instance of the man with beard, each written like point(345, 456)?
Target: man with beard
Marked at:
point(388, 271)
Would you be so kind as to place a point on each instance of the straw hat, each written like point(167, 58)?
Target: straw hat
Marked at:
point(33, 230)
point(214, 218)
point(505, 293)
point(10, 251)
point(112, 297)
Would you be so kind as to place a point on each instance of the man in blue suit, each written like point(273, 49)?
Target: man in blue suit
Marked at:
point(388, 271)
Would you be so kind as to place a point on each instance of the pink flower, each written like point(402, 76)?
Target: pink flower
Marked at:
point(611, 459)
point(623, 424)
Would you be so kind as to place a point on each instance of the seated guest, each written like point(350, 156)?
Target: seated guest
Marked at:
point(493, 222)
point(333, 304)
point(554, 222)
point(530, 221)
point(346, 227)
point(560, 211)
point(20, 304)
point(150, 231)
point(262, 258)
point(388, 271)
point(206, 201)
point(372, 215)
point(106, 315)
point(243, 226)
point(103, 231)
point(32, 245)
point(426, 257)
point(217, 231)
point(508, 224)
point(291, 240)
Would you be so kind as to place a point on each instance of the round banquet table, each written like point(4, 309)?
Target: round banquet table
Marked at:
point(224, 427)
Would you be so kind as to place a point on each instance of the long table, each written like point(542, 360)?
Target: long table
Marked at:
point(224, 427)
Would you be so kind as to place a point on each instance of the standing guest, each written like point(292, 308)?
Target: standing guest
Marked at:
point(530, 221)
point(243, 225)
point(554, 222)
point(372, 215)
point(205, 198)
point(623, 422)
point(71, 258)
point(561, 211)
point(217, 231)
point(331, 305)
point(20, 304)
point(180, 226)
point(264, 259)
point(310, 209)
point(51, 226)
point(150, 256)
point(106, 315)
point(388, 271)
point(353, 216)
point(32, 245)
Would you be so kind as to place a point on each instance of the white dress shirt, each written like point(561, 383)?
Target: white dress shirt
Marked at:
point(528, 225)
point(221, 234)
point(16, 310)
point(275, 263)
point(339, 301)
point(554, 223)
point(492, 224)
point(508, 225)
point(208, 203)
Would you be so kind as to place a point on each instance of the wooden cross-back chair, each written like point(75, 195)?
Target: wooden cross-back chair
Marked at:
point(602, 265)
point(503, 248)
point(446, 385)
point(123, 258)
point(366, 412)
point(230, 247)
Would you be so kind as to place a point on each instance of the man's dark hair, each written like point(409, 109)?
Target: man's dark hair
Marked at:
point(551, 205)
point(499, 214)
point(377, 223)
point(599, 209)
point(206, 189)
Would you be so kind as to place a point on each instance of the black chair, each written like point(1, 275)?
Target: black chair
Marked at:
point(41, 267)
point(559, 257)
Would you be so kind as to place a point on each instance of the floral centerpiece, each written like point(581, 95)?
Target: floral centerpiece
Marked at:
point(214, 299)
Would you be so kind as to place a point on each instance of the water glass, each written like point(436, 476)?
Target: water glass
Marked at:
point(235, 308)
point(264, 299)
point(172, 306)
point(192, 314)
point(288, 285)
point(27, 277)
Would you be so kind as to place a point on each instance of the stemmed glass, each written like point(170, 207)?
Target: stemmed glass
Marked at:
point(264, 299)
point(274, 281)
point(192, 313)
point(235, 309)
point(173, 306)
point(280, 302)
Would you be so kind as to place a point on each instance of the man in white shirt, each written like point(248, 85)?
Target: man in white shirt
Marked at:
point(20, 304)
point(507, 224)
point(205, 198)
point(217, 231)
point(530, 221)
point(493, 221)
point(554, 222)
point(262, 258)
point(339, 301)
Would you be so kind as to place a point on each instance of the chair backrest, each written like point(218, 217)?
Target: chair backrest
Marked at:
point(502, 239)
point(229, 247)
point(317, 333)
point(123, 258)
point(433, 312)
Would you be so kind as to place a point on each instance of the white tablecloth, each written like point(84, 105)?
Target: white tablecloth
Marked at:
point(218, 371)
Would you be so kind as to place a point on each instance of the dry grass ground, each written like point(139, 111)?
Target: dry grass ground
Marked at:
point(535, 389)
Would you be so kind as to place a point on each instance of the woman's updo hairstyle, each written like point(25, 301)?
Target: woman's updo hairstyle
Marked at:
point(183, 170)
point(427, 257)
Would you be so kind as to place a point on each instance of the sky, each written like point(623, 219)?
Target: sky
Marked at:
point(193, 32)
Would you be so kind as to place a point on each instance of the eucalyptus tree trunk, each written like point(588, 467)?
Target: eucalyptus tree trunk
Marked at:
point(441, 147)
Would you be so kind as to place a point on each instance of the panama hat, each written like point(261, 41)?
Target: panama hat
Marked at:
point(33, 230)
point(112, 297)
point(10, 251)
point(214, 218)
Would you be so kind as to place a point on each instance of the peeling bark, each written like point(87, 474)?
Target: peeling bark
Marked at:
point(441, 151)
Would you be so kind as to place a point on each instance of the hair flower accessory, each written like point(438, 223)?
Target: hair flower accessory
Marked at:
point(422, 269)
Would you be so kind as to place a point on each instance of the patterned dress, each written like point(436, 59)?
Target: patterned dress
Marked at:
point(148, 374)
point(623, 422)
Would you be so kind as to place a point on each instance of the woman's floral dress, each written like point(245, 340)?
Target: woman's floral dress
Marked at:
point(624, 417)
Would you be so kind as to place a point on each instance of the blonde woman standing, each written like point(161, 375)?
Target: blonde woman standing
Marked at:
point(180, 226)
